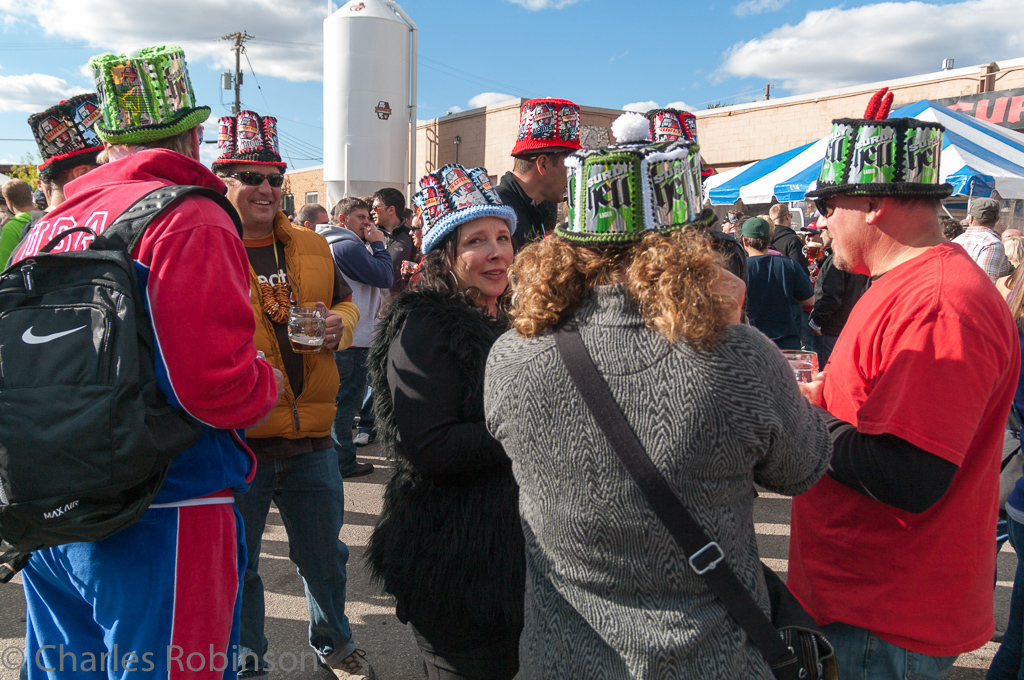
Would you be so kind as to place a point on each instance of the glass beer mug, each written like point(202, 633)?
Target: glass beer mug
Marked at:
point(306, 329)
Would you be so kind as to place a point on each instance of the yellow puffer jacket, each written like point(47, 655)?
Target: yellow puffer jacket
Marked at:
point(310, 268)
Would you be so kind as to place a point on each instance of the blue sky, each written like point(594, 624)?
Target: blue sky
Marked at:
point(607, 53)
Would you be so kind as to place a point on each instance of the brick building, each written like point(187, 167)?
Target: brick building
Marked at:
point(729, 136)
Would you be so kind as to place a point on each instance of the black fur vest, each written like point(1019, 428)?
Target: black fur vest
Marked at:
point(449, 548)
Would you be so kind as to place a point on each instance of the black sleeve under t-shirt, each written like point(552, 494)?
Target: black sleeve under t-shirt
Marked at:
point(272, 271)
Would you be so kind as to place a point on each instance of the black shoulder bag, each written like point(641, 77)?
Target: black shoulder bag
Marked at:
point(791, 643)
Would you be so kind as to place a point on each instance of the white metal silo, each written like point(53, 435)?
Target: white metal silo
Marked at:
point(369, 99)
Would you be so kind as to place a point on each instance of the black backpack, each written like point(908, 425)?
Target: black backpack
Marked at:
point(86, 435)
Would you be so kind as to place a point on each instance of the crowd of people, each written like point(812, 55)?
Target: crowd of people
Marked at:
point(513, 540)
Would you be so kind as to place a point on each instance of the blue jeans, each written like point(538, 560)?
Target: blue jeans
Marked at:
point(862, 655)
point(352, 372)
point(1008, 663)
point(823, 346)
point(366, 420)
point(307, 490)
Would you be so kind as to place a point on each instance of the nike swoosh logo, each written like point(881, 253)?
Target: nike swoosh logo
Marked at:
point(32, 339)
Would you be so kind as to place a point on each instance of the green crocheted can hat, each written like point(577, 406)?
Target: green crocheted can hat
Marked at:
point(145, 96)
point(879, 156)
point(620, 193)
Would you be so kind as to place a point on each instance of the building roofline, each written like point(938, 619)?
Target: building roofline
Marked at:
point(968, 73)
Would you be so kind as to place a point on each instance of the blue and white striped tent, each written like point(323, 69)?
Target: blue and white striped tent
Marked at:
point(977, 159)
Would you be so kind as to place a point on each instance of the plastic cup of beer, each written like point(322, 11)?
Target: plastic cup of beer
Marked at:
point(306, 329)
point(804, 364)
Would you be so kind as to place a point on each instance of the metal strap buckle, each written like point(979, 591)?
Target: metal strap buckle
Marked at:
point(706, 559)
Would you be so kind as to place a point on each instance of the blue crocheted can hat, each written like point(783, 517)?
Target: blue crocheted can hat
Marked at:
point(455, 195)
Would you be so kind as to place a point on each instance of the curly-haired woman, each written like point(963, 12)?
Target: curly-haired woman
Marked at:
point(448, 544)
point(715, 405)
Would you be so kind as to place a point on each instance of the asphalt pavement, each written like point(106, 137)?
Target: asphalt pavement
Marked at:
point(388, 644)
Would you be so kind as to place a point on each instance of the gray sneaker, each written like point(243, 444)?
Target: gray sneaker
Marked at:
point(353, 667)
point(362, 439)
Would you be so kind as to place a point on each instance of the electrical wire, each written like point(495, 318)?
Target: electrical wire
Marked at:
point(311, 152)
point(472, 77)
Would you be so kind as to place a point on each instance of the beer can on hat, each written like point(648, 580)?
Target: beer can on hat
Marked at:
point(483, 183)
point(666, 127)
point(568, 123)
point(525, 122)
point(249, 140)
point(461, 190)
point(543, 123)
point(270, 133)
point(429, 200)
point(226, 134)
point(874, 155)
point(88, 114)
point(694, 190)
point(837, 155)
point(671, 196)
point(572, 210)
point(921, 159)
point(609, 193)
point(689, 124)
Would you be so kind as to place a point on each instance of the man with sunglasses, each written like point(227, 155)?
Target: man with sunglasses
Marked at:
point(297, 462)
point(549, 130)
point(893, 551)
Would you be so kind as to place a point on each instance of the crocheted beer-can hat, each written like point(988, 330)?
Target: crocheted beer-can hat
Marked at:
point(547, 125)
point(455, 195)
point(619, 193)
point(145, 96)
point(248, 138)
point(671, 125)
point(65, 135)
point(878, 156)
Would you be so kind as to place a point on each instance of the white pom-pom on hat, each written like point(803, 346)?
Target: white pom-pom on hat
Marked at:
point(631, 127)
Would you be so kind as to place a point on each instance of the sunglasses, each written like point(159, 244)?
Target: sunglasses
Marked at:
point(823, 208)
point(254, 179)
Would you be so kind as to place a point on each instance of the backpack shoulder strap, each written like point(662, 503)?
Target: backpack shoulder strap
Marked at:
point(126, 231)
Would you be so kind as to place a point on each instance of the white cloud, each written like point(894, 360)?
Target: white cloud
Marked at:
point(839, 47)
point(208, 154)
point(640, 107)
point(644, 107)
point(454, 109)
point(536, 5)
point(488, 98)
point(681, 106)
point(33, 92)
point(118, 26)
point(618, 56)
point(758, 7)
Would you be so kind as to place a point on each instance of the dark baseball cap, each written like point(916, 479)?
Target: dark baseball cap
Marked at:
point(984, 209)
point(756, 227)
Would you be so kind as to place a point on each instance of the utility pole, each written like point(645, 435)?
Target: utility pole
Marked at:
point(767, 91)
point(239, 39)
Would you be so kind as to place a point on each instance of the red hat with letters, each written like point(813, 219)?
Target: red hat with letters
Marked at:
point(547, 125)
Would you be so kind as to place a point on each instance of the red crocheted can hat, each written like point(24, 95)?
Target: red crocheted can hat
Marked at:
point(547, 125)
point(248, 138)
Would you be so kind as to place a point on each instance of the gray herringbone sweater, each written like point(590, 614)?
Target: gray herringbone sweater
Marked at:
point(608, 592)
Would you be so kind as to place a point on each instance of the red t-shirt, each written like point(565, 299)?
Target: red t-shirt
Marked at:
point(929, 354)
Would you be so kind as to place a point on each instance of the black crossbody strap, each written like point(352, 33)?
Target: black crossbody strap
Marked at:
point(705, 556)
